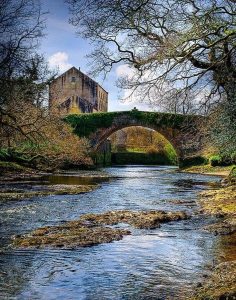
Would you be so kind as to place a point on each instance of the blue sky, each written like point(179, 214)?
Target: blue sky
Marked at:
point(64, 49)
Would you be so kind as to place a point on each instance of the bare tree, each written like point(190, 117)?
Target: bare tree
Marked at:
point(170, 45)
point(28, 133)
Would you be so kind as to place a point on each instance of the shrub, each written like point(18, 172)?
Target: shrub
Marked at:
point(220, 160)
point(233, 157)
point(193, 161)
point(215, 160)
point(232, 176)
point(4, 154)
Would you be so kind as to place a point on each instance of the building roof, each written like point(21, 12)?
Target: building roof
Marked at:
point(78, 70)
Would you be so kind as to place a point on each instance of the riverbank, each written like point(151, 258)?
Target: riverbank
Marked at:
point(208, 170)
point(18, 182)
point(221, 203)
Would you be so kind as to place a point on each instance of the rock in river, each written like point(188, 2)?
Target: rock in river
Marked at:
point(70, 235)
point(90, 229)
point(139, 219)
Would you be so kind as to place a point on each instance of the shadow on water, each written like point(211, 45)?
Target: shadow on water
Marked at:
point(73, 180)
point(39, 183)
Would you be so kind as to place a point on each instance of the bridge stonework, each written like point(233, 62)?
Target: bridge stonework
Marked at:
point(180, 130)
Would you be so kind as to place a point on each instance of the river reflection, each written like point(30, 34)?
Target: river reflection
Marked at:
point(150, 264)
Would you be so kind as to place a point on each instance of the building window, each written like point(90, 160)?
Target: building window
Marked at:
point(73, 79)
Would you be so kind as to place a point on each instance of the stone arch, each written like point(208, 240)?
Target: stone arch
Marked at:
point(168, 133)
point(176, 128)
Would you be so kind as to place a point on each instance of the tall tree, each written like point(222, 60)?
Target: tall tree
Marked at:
point(23, 73)
point(181, 53)
point(28, 132)
point(171, 44)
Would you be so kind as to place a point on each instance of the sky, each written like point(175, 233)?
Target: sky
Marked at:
point(64, 49)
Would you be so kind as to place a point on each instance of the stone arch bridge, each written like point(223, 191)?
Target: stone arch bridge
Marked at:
point(180, 130)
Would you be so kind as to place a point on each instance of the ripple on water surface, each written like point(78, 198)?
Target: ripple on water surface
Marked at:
point(150, 264)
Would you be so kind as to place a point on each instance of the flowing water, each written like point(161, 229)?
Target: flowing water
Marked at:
point(164, 263)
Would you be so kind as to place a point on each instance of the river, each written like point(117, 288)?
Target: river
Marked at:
point(163, 263)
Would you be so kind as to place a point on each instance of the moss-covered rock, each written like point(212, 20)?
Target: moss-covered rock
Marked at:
point(90, 229)
point(221, 202)
point(226, 226)
point(221, 285)
point(70, 235)
point(138, 219)
point(45, 190)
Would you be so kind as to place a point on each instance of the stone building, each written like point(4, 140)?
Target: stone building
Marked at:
point(74, 92)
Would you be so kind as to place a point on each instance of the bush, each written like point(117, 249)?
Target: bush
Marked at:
point(140, 159)
point(193, 161)
point(215, 160)
point(219, 160)
point(4, 154)
point(233, 157)
point(232, 176)
point(56, 147)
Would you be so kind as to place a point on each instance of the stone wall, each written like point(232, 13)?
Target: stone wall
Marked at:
point(74, 92)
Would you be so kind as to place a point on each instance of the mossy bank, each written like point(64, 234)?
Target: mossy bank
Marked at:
point(221, 203)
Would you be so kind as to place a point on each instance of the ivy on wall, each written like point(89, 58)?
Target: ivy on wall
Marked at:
point(86, 124)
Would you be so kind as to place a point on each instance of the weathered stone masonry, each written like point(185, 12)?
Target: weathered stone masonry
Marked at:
point(73, 92)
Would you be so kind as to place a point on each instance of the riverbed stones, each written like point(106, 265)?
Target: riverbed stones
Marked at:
point(70, 235)
point(44, 190)
point(137, 219)
point(226, 226)
point(221, 284)
point(91, 230)
point(219, 202)
point(222, 204)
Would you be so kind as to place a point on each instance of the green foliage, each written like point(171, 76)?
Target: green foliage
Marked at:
point(215, 160)
point(193, 161)
point(86, 124)
point(6, 166)
point(123, 148)
point(151, 156)
point(233, 157)
point(4, 154)
point(140, 158)
point(232, 175)
point(171, 154)
point(222, 160)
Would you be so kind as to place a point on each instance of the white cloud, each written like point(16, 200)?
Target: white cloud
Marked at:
point(124, 70)
point(59, 60)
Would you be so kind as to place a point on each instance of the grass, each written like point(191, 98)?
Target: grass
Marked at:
point(208, 169)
